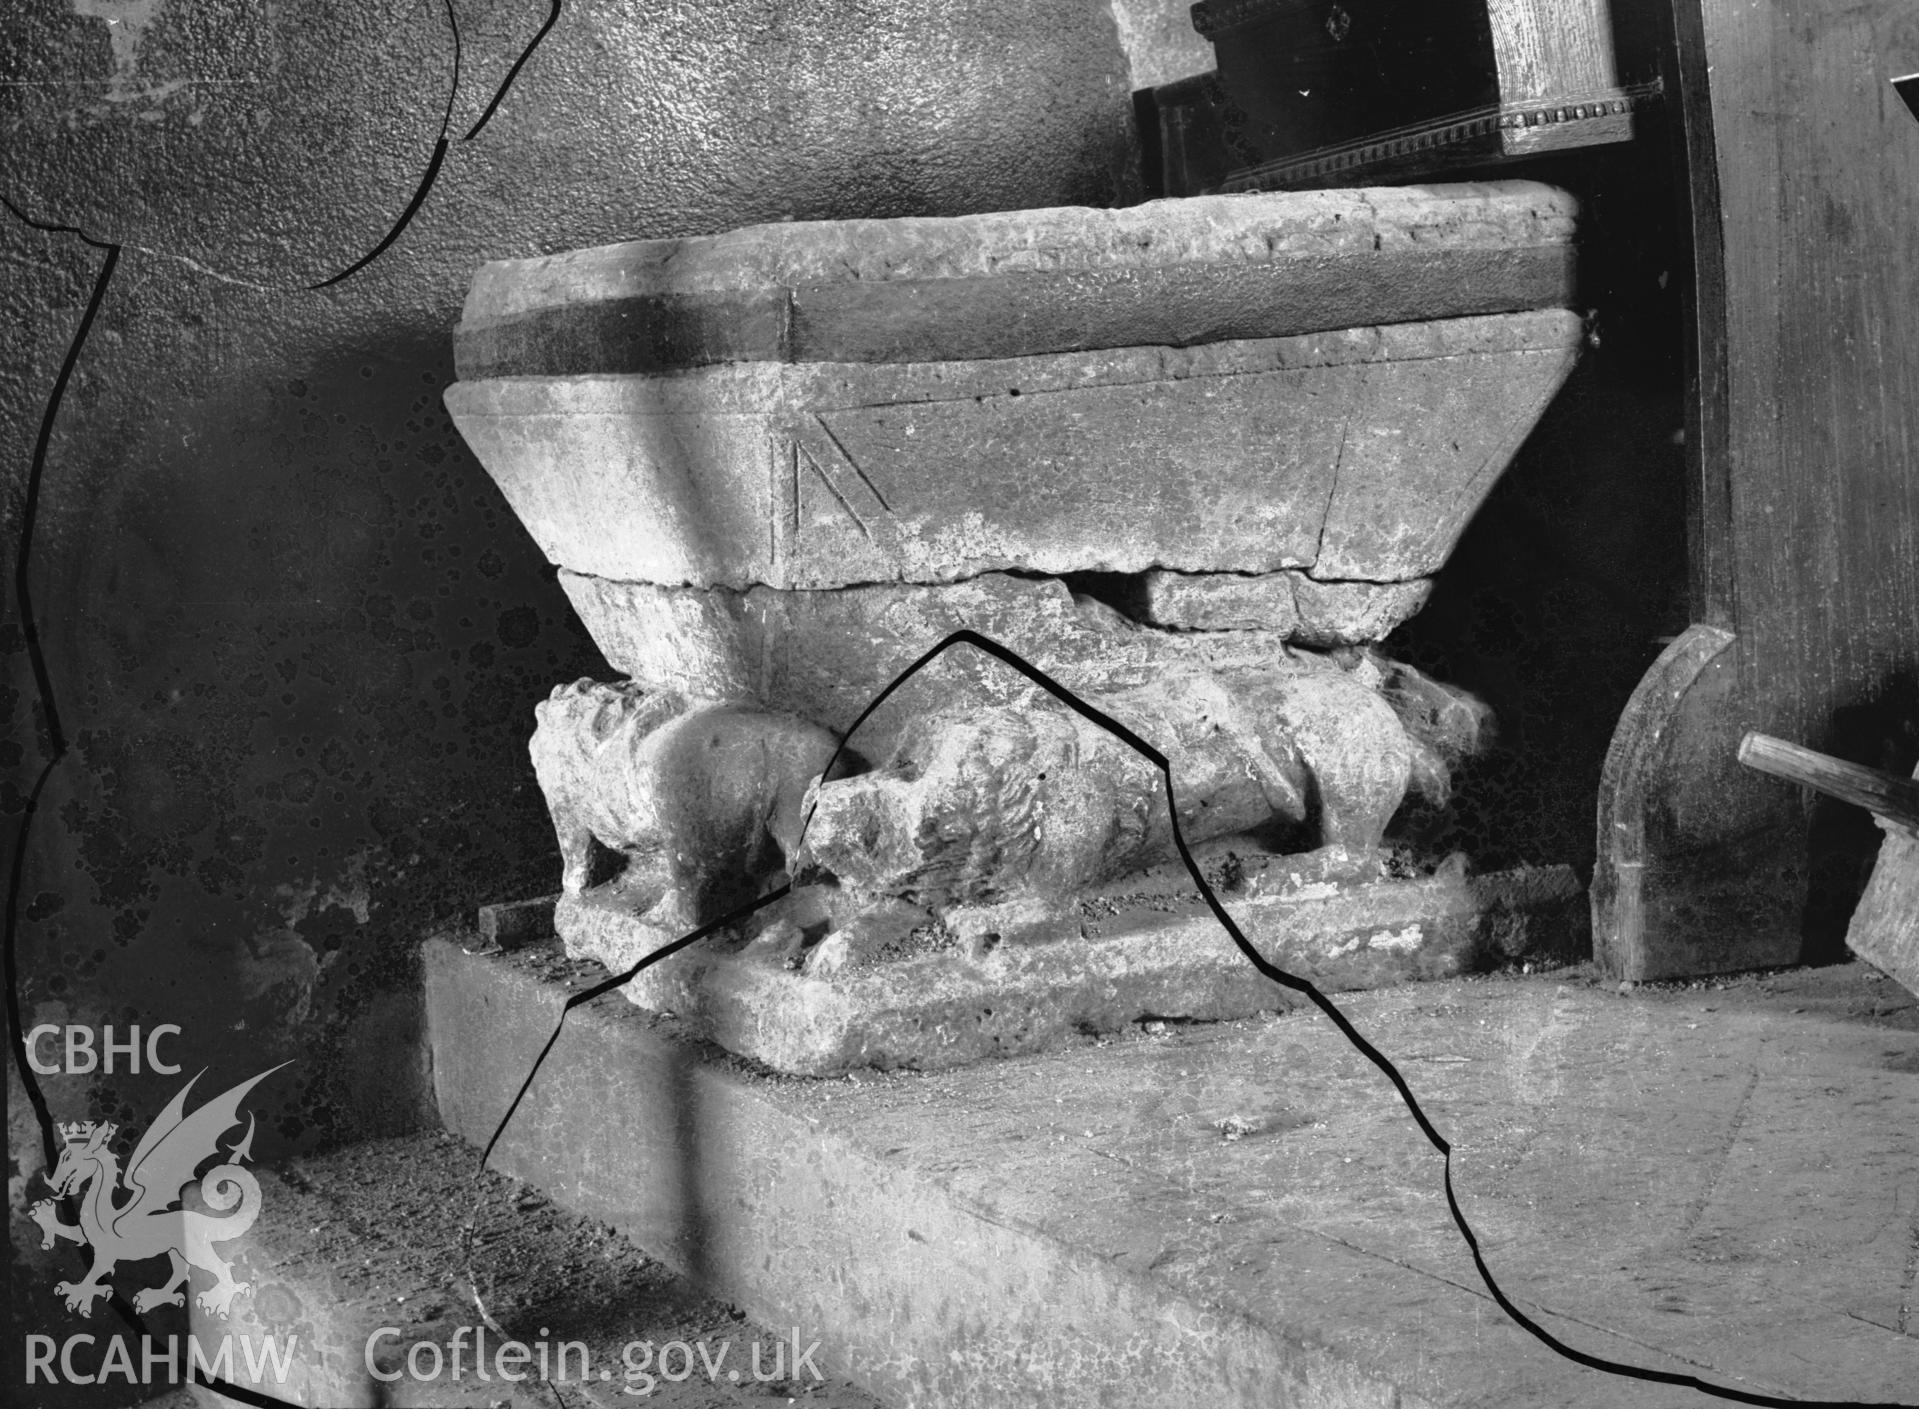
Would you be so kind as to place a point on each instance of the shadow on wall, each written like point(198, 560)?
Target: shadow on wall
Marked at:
point(295, 635)
point(1539, 617)
point(1573, 576)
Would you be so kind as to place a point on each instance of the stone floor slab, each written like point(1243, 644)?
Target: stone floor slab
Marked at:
point(408, 1243)
point(1713, 1180)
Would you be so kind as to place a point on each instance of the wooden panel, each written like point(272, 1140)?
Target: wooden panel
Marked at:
point(1561, 50)
point(1819, 168)
point(1694, 870)
point(1708, 488)
point(1805, 537)
point(1819, 177)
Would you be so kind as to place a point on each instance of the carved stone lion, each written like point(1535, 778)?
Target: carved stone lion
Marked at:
point(671, 808)
point(976, 807)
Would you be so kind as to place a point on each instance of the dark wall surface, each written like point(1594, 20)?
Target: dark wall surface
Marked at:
point(293, 633)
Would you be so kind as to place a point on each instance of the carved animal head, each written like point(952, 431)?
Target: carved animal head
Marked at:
point(600, 711)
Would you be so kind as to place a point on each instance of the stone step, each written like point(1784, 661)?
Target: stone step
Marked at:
point(405, 1243)
point(1144, 946)
point(1697, 1180)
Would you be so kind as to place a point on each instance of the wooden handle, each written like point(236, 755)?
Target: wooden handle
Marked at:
point(1884, 794)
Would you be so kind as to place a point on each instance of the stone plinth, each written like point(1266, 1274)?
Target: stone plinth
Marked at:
point(826, 654)
point(963, 993)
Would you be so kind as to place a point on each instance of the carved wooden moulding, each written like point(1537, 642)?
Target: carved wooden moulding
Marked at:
point(1194, 459)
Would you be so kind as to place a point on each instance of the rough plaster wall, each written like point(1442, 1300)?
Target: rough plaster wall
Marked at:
point(1160, 41)
point(295, 634)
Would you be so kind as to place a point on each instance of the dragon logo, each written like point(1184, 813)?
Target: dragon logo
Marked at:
point(151, 1221)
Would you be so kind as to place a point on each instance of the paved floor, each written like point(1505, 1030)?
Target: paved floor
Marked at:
point(1718, 1179)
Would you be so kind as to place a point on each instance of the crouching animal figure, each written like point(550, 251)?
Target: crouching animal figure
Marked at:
point(980, 806)
point(671, 808)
